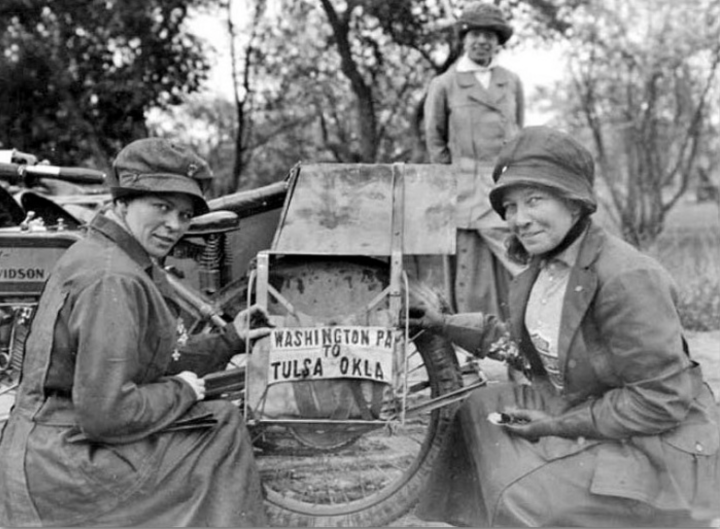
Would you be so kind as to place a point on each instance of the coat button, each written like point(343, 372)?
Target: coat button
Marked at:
point(572, 363)
point(699, 447)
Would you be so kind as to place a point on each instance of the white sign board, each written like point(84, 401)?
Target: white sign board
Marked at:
point(314, 353)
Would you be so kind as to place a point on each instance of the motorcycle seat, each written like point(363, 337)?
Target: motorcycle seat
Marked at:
point(212, 223)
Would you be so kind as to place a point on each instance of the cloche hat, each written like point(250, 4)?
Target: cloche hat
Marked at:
point(480, 15)
point(545, 157)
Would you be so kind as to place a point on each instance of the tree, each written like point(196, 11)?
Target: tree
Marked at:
point(344, 81)
point(345, 72)
point(243, 86)
point(207, 124)
point(77, 77)
point(643, 77)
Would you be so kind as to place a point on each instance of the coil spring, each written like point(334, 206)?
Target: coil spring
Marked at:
point(226, 269)
point(210, 263)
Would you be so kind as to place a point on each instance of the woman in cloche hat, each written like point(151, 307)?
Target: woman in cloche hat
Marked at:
point(110, 374)
point(471, 111)
point(617, 427)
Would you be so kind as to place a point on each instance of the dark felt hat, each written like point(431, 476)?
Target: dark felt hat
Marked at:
point(549, 158)
point(480, 15)
point(155, 165)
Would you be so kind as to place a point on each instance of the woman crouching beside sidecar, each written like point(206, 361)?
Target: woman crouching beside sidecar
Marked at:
point(618, 427)
point(108, 427)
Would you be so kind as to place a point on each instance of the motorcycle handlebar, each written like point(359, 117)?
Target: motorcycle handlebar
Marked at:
point(17, 173)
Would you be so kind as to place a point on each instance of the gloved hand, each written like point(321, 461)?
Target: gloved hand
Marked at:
point(422, 317)
point(252, 323)
point(530, 424)
point(533, 424)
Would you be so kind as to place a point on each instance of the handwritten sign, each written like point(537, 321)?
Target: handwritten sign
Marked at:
point(312, 353)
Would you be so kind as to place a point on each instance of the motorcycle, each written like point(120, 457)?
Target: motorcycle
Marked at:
point(348, 409)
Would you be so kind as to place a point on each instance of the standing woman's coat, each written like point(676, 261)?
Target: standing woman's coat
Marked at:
point(640, 427)
point(90, 440)
point(467, 124)
point(465, 120)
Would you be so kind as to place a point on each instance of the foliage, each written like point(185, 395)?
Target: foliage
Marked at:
point(318, 81)
point(207, 125)
point(77, 77)
point(644, 79)
point(344, 81)
point(689, 249)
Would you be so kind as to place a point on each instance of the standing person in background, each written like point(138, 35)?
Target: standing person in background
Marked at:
point(617, 427)
point(471, 111)
point(110, 426)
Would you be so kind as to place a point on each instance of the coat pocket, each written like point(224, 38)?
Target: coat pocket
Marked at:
point(691, 453)
point(624, 471)
point(114, 468)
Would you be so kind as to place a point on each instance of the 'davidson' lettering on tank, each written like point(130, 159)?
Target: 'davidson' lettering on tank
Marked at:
point(35, 274)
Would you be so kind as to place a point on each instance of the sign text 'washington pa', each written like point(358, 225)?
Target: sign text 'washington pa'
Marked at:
point(331, 352)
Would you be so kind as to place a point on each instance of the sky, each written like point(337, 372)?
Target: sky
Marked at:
point(537, 68)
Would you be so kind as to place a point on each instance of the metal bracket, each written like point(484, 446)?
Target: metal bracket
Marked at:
point(396, 245)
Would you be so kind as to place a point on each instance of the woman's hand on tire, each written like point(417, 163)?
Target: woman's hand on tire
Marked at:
point(252, 323)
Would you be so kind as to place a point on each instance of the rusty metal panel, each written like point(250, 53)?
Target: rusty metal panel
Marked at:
point(347, 209)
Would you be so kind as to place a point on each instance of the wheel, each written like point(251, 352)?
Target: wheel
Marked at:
point(350, 475)
point(374, 480)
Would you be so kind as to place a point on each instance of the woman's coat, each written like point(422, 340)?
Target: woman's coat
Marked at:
point(467, 124)
point(629, 386)
point(466, 120)
point(90, 440)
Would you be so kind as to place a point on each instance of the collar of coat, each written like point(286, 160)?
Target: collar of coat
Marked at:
point(581, 288)
point(492, 95)
point(130, 245)
point(466, 64)
point(466, 79)
point(567, 257)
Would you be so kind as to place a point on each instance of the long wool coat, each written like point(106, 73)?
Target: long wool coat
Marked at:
point(467, 125)
point(463, 119)
point(89, 441)
point(653, 454)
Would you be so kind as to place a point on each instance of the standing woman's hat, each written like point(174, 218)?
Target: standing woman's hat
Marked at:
point(541, 156)
point(155, 165)
point(480, 15)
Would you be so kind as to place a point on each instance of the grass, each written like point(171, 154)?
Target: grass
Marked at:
point(689, 248)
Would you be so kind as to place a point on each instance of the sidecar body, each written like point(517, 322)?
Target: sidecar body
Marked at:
point(334, 283)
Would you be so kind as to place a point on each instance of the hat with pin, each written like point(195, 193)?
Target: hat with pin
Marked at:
point(156, 165)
